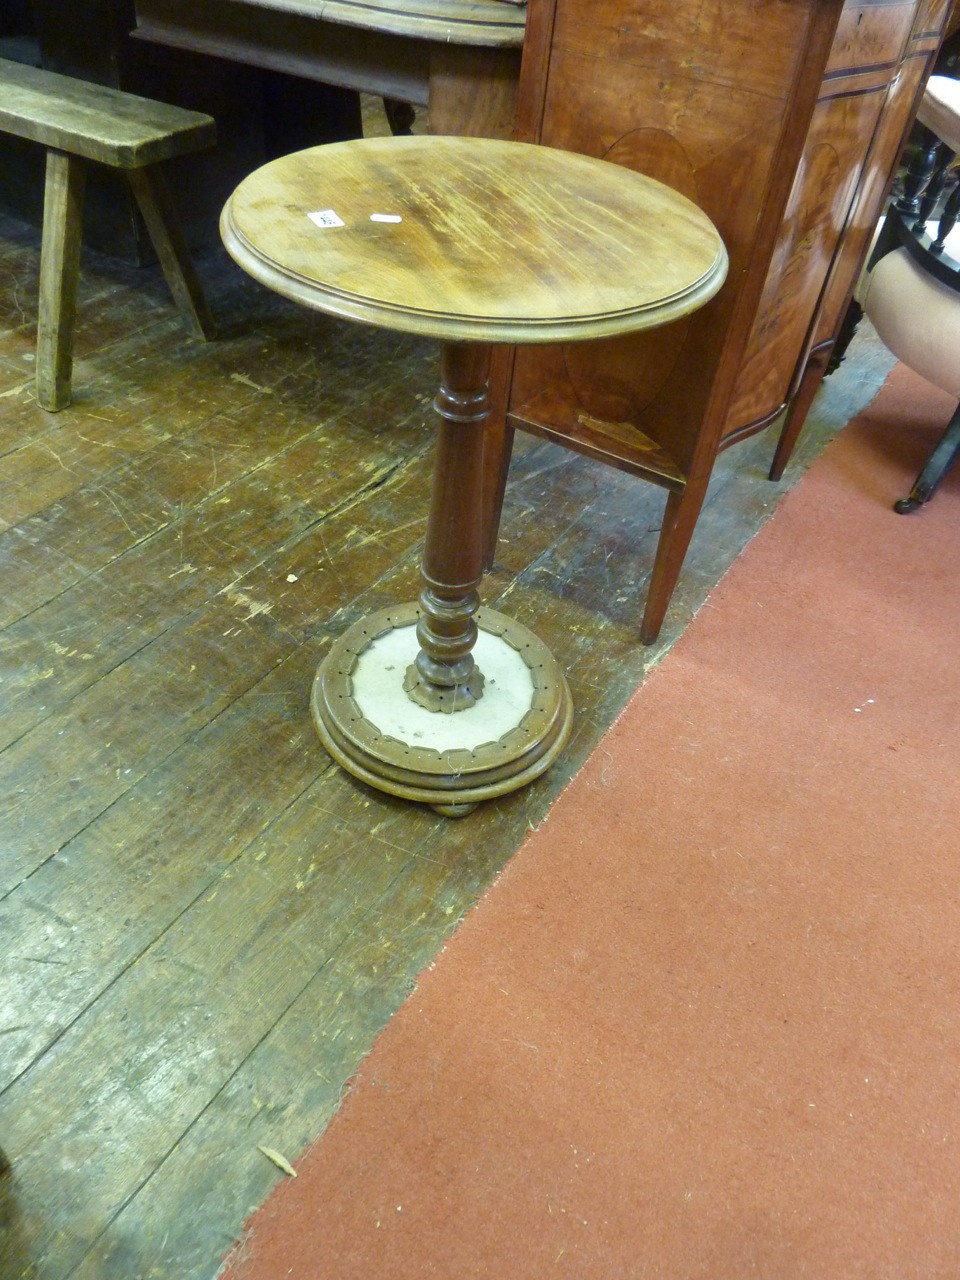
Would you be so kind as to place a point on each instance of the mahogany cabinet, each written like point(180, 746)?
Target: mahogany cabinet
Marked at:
point(784, 121)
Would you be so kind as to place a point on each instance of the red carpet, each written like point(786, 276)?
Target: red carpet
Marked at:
point(707, 1023)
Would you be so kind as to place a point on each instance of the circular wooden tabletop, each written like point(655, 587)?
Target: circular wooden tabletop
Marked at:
point(474, 239)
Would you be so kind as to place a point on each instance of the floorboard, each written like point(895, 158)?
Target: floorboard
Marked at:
point(204, 922)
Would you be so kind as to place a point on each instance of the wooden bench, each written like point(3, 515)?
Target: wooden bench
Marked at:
point(79, 122)
point(458, 58)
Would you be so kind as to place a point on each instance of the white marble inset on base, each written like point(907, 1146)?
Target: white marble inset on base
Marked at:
point(450, 760)
point(378, 692)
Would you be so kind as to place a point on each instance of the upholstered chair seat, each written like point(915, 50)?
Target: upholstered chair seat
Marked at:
point(917, 316)
point(939, 110)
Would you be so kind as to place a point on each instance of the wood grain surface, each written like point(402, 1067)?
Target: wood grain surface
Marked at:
point(488, 240)
point(777, 120)
point(98, 123)
point(482, 22)
point(203, 922)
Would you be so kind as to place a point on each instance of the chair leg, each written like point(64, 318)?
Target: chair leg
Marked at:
point(59, 272)
point(845, 335)
point(934, 189)
point(679, 519)
point(936, 467)
point(948, 219)
point(919, 173)
point(160, 215)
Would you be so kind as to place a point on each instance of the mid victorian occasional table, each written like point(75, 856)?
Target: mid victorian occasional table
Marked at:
point(471, 242)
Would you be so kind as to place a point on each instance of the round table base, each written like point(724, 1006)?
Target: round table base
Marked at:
point(450, 760)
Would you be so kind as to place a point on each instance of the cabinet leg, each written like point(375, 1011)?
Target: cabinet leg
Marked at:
point(813, 376)
point(59, 273)
point(679, 519)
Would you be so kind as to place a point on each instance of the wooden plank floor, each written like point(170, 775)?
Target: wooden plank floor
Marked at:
point(203, 923)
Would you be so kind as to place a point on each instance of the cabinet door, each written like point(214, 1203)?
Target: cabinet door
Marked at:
point(898, 115)
point(869, 47)
point(713, 98)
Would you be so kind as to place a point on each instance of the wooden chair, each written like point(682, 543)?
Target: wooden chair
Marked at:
point(917, 316)
point(937, 135)
point(79, 122)
point(910, 289)
point(939, 114)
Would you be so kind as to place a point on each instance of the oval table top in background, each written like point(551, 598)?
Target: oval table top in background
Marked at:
point(467, 22)
point(490, 241)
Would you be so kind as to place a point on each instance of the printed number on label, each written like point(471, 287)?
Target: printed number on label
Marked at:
point(326, 218)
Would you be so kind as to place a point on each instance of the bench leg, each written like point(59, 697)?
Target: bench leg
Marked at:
point(59, 269)
point(163, 224)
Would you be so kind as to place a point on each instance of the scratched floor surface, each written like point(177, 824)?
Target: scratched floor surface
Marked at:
point(203, 922)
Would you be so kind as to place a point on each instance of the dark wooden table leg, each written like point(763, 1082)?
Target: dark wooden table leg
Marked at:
point(401, 701)
point(445, 676)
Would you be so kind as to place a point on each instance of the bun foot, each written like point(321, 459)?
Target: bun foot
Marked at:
point(453, 810)
point(903, 506)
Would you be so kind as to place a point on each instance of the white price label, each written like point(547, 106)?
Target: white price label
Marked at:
point(326, 218)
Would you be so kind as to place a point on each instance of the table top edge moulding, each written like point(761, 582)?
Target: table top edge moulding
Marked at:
point(487, 23)
point(379, 279)
point(474, 242)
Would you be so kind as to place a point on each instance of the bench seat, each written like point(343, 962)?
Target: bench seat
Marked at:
point(79, 122)
point(95, 122)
